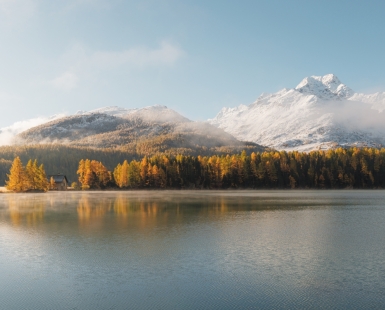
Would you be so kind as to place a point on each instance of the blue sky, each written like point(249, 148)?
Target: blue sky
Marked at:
point(193, 56)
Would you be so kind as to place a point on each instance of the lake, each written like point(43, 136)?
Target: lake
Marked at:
point(193, 250)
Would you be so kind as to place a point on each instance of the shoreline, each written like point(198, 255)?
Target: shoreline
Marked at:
point(3, 190)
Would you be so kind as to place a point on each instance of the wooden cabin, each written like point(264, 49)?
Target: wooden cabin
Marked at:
point(58, 182)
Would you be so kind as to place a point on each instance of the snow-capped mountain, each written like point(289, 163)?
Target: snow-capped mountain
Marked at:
point(321, 112)
point(156, 127)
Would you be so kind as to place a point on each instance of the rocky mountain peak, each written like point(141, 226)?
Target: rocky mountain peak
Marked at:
point(327, 87)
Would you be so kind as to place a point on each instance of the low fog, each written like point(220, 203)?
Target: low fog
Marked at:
point(355, 116)
point(350, 116)
point(8, 133)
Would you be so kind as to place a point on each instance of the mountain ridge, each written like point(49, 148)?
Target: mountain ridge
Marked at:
point(144, 131)
point(317, 114)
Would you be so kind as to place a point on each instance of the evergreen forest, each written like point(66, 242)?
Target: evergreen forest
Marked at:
point(64, 159)
point(332, 169)
point(106, 169)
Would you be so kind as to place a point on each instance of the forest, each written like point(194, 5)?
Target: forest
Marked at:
point(64, 159)
point(59, 158)
point(332, 169)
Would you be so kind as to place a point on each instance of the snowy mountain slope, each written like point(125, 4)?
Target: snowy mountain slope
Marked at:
point(156, 127)
point(155, 113)
point(320, 112)
point(89, 123)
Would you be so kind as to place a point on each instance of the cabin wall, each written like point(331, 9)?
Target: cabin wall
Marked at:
point(62, 186)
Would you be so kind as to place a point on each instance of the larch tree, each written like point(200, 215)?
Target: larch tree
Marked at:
point(93, 174)
point(17, 177)
point(52, 184)
point(117, 175)
point(42, 182)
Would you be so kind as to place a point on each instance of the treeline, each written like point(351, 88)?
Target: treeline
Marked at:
point(59, 158)
point(32, 177)
point(341, 168)
point(65, 159)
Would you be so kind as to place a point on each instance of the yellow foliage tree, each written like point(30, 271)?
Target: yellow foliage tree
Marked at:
point(93, 174)
point(17, 177)
point(42, 182)
point(52, 184)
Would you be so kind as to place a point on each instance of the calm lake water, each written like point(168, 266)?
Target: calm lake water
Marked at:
point(193, 250)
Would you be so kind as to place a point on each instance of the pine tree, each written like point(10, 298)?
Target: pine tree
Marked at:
point(124, 175)
point(81, 171)
point(155, 176)
point(52, 184)
point(162, 178)
point(144, 171)
point(42, 183)
point(134, 174)
point(17, 178)
point(89, 176)
point(117, 173)
point(30, 174)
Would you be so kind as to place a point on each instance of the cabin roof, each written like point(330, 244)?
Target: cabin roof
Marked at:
point(58, 178)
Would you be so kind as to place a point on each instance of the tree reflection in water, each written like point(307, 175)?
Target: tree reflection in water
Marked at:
point(24, 210)
point(139, 210)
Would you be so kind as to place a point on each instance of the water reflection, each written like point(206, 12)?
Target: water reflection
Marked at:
point(209, 250)
point(134, 211)
point(150, 209)
point(88, 209)
point(24, 210)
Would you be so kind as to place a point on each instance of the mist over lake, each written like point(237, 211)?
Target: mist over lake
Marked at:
point(192, 249)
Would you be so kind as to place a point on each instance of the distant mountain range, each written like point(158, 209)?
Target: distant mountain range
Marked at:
point(148, 130)
point(320, 113)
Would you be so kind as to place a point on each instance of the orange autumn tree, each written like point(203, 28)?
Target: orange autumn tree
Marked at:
point(42, 181)
point(340, 168)
point(37, 179)
point(21, 179)
point(93, 174)
point(128, 175)
point(17, 177)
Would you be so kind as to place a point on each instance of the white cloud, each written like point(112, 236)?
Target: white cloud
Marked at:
point(66, 81)
point(82, 63)
point(166, 54)
point(7, 134)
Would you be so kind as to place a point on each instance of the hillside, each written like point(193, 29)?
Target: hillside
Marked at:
point(143, 131)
